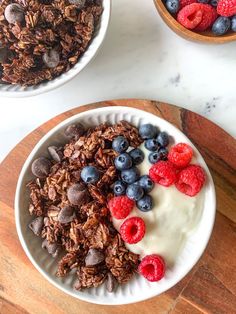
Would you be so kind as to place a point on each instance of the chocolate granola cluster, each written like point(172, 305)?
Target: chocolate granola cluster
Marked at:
point(41, 39)
point(72, 217)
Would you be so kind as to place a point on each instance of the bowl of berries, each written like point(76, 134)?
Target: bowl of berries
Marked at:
point(209, 21)
point(114, 205)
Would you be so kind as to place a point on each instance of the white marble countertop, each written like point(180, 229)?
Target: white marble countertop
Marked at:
point(141, 58)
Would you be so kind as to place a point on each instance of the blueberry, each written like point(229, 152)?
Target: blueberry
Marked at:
point(154, 157)
point(163, 152)
point(131, 175)
point(163, 139)
point(147, 131)
point(90, 174)
point(151, 144)
point(51, 58)
point(214, 3)
point(123, 161)
point(146, 183)
point(119, 188)
point(120, 144)
point(137, 156)
point(221, 25)
point(233, 23)
point(145, 203)
point(134, 192)
point(172, 6)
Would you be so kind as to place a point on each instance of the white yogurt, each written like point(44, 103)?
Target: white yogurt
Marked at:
point(173, 217)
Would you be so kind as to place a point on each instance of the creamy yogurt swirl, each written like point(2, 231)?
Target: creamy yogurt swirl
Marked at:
point(173, 217)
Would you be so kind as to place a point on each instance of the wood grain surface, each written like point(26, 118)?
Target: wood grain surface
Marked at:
point(211, 285)
point(202, 37)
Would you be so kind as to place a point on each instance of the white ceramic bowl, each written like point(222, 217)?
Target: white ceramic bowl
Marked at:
point(137, 289)
point(8, 90)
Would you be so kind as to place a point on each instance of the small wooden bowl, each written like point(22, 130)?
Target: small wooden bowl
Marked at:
point(203, 37)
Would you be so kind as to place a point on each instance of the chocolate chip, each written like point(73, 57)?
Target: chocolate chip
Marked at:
point(3, 55)
point(78, 3)
point(66, 215)
point(52, 248)
point(41, 167)
point(78, 194)
point(37, 225)
point(111, 283)
point(51, 58)
point(74, 131)
point(14, 12)
point(55, 153)
point(94, 257)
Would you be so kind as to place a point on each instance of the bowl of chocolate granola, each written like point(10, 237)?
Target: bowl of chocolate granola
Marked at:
point(114, 205)
point(45, 43)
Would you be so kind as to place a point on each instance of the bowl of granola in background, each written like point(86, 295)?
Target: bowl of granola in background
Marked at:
point(44, 44)
point(137, 288)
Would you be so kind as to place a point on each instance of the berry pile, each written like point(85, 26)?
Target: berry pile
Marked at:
point(201, 15)
point(188, 179)
point(169, 167)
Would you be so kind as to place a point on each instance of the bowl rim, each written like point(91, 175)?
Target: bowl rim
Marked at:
point(23, 172)
point(187, 34)
point(65, 77)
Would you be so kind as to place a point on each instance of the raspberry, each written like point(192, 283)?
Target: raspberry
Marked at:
point(180, 154)
point(120, 206)
point(163, 172)
point(183, 3)
point(132, 230)
point(208, 18)
point(226, 7)
point(190, 180)
point(152, 267)
point(190, 16)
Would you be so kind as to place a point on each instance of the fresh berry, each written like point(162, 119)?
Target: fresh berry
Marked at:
point(190, 16)
point(226, 7)
point(183, 3)
point(147, 131)
point(163, 172)
point(190, 180)
point(145, 203)
point(119, 188)
point(130, 175)
point(123, 161)
point(154, 157)
point(172, 6)
point(120, 144)
point(90, 174)
point(180, 155)
point(146, 183)
point(163, 152)
point(233, 23)
point(134, 191)
point(133, 230)
point(208, 18)
point(151, 144)
point(214, 3)
point(163, 139)
point(221, 25)
point(152, 267)
point(120, 206)
point(137, 156)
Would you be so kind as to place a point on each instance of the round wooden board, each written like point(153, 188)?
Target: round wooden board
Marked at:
point(209, 287)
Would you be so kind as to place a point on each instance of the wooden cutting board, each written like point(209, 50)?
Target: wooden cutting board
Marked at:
point(209, 288)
